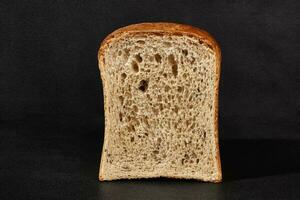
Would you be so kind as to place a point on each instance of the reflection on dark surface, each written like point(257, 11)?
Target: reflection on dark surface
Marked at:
point(159, 189)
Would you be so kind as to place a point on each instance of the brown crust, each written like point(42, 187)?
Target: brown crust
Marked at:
point(172, 29)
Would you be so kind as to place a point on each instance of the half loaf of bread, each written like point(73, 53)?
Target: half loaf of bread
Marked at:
point(160, 83)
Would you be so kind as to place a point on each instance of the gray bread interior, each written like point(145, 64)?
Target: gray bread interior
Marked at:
point(159, 108)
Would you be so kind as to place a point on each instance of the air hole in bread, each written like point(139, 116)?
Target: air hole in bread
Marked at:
point(155, 151)
point(176, 109)
point(157, 58)
point(135, 67)
point(140, 42)
point(161, 107)
point(131, 128)
point(185, 52)
point(149, 98)
point(167, 88)
point(180, 89)
point(173, 64)
point(126, 54)
point(175, 125)
point(123, 76)
point(155, 111)
point(132, 139)
point(137, 122)
point(187, 122)
point(159, 140)
point(159, 98)
point(167, 44)
point(121, 117)
point(143, 85)
point(126, 168)
point(209, 46)
point(175, 70)
point(193, 60)
point(138, 58)
point(135, 108)
point(193, 155)
point(192, 126)
point(166, 100)
point(145, 120)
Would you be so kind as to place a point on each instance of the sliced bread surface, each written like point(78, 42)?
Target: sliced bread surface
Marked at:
point(160, 84)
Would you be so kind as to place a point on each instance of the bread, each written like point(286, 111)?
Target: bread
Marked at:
point(160, 83)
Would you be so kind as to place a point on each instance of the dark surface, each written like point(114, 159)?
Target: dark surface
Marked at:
point(51, 158)
point(51, 104)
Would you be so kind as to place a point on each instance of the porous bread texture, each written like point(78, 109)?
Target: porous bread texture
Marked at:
point(159, 108)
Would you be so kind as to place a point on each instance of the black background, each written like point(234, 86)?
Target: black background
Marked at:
point(51, 103)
